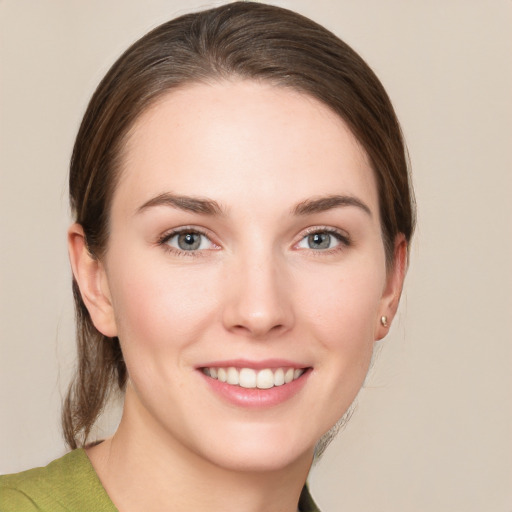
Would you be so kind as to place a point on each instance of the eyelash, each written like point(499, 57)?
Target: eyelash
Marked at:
point(340, 236)
point(162, 241)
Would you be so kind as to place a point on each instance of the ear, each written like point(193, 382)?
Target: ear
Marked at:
point(91, 278)
point(393, 289)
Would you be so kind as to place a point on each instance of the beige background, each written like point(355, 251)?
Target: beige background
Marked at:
point(434, 424)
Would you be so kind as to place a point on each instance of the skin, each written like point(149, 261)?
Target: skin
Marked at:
point(255, 289)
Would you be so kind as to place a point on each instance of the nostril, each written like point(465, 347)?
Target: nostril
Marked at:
point(258, 329)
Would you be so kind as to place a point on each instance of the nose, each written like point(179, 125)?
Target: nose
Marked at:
point(258, 301)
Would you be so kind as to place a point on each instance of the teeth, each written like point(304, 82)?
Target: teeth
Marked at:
point(249, 378)
point(265, 379)
point(233, 378)
point(222, 375)
point(279, 377)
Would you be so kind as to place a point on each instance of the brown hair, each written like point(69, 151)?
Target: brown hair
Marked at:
point(239, 40)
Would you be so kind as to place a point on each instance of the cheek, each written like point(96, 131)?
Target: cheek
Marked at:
point(339, 309)
point(343, 305)
point(157, 304)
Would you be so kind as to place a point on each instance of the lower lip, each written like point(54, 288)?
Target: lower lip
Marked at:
point(254, 397)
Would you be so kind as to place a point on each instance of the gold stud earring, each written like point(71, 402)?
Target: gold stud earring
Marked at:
point(384, 321)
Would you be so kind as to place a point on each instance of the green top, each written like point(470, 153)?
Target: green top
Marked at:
point(70, 484)
point(66, 484)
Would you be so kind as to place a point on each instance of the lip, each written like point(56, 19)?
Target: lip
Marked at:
point(254, 397)
point(273, 364)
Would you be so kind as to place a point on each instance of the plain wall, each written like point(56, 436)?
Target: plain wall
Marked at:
point(433, 428)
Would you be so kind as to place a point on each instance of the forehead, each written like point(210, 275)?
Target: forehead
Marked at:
point(242, 138)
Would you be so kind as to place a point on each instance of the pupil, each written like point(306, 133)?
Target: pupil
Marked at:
point(189, 241)
point(319, 241)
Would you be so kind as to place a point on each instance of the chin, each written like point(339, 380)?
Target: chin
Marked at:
point(262, 460)
point(260, 449)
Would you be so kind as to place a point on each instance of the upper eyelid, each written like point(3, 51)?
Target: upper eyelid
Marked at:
point(341, 235)
point(166, 235)
point(171, 233)
point(323, 229)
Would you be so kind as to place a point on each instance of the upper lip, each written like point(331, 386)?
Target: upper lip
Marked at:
point(255, 365)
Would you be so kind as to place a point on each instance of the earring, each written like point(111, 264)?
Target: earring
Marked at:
point(384, 321)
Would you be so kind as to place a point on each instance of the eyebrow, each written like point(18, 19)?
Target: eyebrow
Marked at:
point(322, 204)
point(186, 203)
point(210, 207)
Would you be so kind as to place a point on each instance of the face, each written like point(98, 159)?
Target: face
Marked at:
point(245, 272)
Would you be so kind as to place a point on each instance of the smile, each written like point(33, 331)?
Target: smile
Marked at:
point(250, 379)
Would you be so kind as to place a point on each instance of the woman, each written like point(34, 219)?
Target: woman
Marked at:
point(243, 214)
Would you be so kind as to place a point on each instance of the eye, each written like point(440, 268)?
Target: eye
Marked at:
point(322, 240)
point(188, 240)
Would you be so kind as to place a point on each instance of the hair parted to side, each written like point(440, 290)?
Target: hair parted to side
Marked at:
point(241, 40)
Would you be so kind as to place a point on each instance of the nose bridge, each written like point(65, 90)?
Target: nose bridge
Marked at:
point(257, 303)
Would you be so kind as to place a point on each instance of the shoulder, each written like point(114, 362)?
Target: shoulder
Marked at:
point(66, 484)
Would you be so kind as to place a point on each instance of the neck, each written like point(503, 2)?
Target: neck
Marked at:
point(143, 468)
